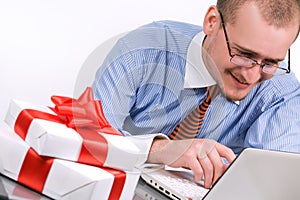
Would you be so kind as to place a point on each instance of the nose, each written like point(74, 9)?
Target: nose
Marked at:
point(252, 74)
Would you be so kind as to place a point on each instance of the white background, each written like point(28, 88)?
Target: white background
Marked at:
point(44, 43)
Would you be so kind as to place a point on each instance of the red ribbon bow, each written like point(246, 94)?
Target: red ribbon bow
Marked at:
point(82, 113)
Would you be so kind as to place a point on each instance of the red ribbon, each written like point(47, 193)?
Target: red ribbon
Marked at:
point(118, 185)
point(85, 115)
point(25, 118)
point(35, 170)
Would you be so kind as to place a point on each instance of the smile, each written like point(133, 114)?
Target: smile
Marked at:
point(239, 83)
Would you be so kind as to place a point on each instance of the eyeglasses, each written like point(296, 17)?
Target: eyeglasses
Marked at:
point(242, 61)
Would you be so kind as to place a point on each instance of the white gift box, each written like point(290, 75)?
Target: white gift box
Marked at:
point(53, 139)
point(65, 179)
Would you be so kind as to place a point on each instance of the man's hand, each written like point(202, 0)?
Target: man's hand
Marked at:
point(202, 156)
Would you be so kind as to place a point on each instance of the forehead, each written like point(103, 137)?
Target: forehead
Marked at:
point(252, 32)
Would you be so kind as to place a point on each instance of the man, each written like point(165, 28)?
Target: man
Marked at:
point(157, 75)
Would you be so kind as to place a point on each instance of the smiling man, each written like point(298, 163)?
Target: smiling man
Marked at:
point(257, 39)
point(165, 78)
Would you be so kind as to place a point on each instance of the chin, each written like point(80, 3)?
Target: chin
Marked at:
point(235, 95)
point(234, 98)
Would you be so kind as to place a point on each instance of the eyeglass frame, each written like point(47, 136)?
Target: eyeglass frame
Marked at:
point(287, 71)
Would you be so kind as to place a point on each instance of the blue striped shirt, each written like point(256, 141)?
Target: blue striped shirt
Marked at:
point(145, 88)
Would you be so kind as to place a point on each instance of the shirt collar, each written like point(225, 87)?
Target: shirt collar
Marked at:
point(196, 74)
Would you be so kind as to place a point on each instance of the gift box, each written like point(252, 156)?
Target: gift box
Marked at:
point(76, 130)
point(61, 179)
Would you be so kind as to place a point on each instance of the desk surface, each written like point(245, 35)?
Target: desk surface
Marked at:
point(10, 189)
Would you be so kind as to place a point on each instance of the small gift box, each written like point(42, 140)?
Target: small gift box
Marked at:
point(61, 179)
point(76, 130)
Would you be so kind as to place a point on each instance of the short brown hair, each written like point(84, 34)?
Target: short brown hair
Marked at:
point(279, 13)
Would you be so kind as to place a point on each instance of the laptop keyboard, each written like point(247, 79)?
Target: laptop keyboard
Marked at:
point(185, 187)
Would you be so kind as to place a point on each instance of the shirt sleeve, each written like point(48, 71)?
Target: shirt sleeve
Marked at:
point(115, 85)
point(129, 152)
point(278, 127)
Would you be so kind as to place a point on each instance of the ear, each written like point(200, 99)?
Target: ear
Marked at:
point(211, 21)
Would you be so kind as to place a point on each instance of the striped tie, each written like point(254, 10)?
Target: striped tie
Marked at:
point(189, 127)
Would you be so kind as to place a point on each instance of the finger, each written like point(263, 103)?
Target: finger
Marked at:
point(208, 170)
point(218, 165)
point(196, 168)
point(225, 152)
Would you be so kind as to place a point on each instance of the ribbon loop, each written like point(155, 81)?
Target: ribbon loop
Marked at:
point(82, 113)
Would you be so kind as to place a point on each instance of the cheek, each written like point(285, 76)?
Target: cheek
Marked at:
point(217, 57)
point(221, 57)
point(266, 76)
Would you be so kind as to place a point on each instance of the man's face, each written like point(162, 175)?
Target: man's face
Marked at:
point(249, 37)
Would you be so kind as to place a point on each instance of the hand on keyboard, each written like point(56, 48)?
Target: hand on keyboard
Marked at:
point(202, 156)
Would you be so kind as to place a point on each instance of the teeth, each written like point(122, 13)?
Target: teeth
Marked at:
point(242, 82)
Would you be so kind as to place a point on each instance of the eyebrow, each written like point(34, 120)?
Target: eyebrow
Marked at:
point(255, 54)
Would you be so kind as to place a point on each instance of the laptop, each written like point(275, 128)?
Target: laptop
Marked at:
point(254, 174)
